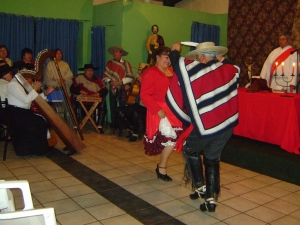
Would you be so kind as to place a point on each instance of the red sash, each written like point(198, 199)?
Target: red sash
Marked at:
point(281, 58)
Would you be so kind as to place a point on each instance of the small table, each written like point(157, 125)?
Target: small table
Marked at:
point(86, 98)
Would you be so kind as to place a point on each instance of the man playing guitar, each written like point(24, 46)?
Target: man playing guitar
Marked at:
point(133, 115)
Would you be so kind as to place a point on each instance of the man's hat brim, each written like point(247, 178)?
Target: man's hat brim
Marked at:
point(88, 66)
point(112, 49)
point(219, 50)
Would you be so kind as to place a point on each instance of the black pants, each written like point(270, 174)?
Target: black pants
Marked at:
point(101, 112)
point(132, 117)
point(115, 99)
point(28, 132)
point(211, 148)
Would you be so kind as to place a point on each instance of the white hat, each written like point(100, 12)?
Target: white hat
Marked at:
point(206, 47)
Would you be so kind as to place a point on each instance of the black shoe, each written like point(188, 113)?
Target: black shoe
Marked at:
point(3, 139)
point(66, 149)
point(209, 205)
point(199, 192)
point(101, 130)
point(132, 139)
point(50, 151)
point(71, 152)
point(120, 133)
point(164, 177)
point(129, 135)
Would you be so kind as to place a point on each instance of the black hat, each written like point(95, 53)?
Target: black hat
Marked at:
point(88, 66)
point(4, 68)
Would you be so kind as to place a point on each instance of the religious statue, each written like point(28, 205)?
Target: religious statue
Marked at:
point(249, 65)
point(154, 41)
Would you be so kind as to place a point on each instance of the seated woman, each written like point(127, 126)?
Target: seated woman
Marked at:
point(29, 131)
point(51, 76)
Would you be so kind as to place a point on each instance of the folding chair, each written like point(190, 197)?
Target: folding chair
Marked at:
point(28, 215)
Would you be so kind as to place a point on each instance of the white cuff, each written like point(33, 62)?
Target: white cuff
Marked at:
point(126, 80)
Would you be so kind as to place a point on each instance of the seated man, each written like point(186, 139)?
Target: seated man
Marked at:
point(133, 116)
point(90, 84)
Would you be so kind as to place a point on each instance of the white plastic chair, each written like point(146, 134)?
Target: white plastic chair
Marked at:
point(7, 203)
point(27, 216)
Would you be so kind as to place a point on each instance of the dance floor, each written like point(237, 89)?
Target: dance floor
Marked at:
point(112, 181)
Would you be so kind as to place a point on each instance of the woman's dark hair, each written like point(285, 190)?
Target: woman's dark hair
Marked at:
point(160, 51)
point(5, 68)
point(56, 50)
point(24, 51)
point(14, 71)
point(4, 46)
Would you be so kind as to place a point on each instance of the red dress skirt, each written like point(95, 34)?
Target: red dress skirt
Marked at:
point(154, 141)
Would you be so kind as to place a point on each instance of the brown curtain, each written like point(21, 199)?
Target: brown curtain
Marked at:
point(296, 28)
point(253, 29)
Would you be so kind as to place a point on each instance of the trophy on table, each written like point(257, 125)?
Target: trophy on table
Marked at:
point(249, 63)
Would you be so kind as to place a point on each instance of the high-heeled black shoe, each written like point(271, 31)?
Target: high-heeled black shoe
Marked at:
point(209, 205)
point(164, 177)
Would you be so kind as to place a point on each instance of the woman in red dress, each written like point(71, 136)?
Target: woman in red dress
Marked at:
point(155, 83)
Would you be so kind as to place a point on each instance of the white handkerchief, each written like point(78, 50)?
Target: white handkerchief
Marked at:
point(189, 43)
point(166, 129)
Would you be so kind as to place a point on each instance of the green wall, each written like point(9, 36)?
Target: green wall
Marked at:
point(59, 9)
point(127, 23)
point(110, 15)
point(136, 18)
point(65, 9)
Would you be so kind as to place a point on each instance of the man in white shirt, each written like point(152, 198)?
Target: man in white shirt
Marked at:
point(282, 60)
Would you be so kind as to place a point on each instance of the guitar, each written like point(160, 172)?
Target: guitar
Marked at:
point(133, 91)
point(135, 87)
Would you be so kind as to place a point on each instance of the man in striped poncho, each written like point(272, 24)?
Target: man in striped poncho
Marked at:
point(204, 97)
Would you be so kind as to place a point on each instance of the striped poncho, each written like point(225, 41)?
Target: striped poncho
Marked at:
point(204, 96)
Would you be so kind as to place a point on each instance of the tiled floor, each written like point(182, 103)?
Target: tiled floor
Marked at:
point(113, 182)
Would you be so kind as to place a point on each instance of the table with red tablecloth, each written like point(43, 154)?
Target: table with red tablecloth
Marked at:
point(270, 117)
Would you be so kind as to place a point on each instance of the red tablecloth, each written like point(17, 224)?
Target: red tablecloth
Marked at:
point(271, 118)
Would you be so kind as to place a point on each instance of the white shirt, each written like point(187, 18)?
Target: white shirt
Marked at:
point(3, 89)
point(280, 83)
point(17, 96)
